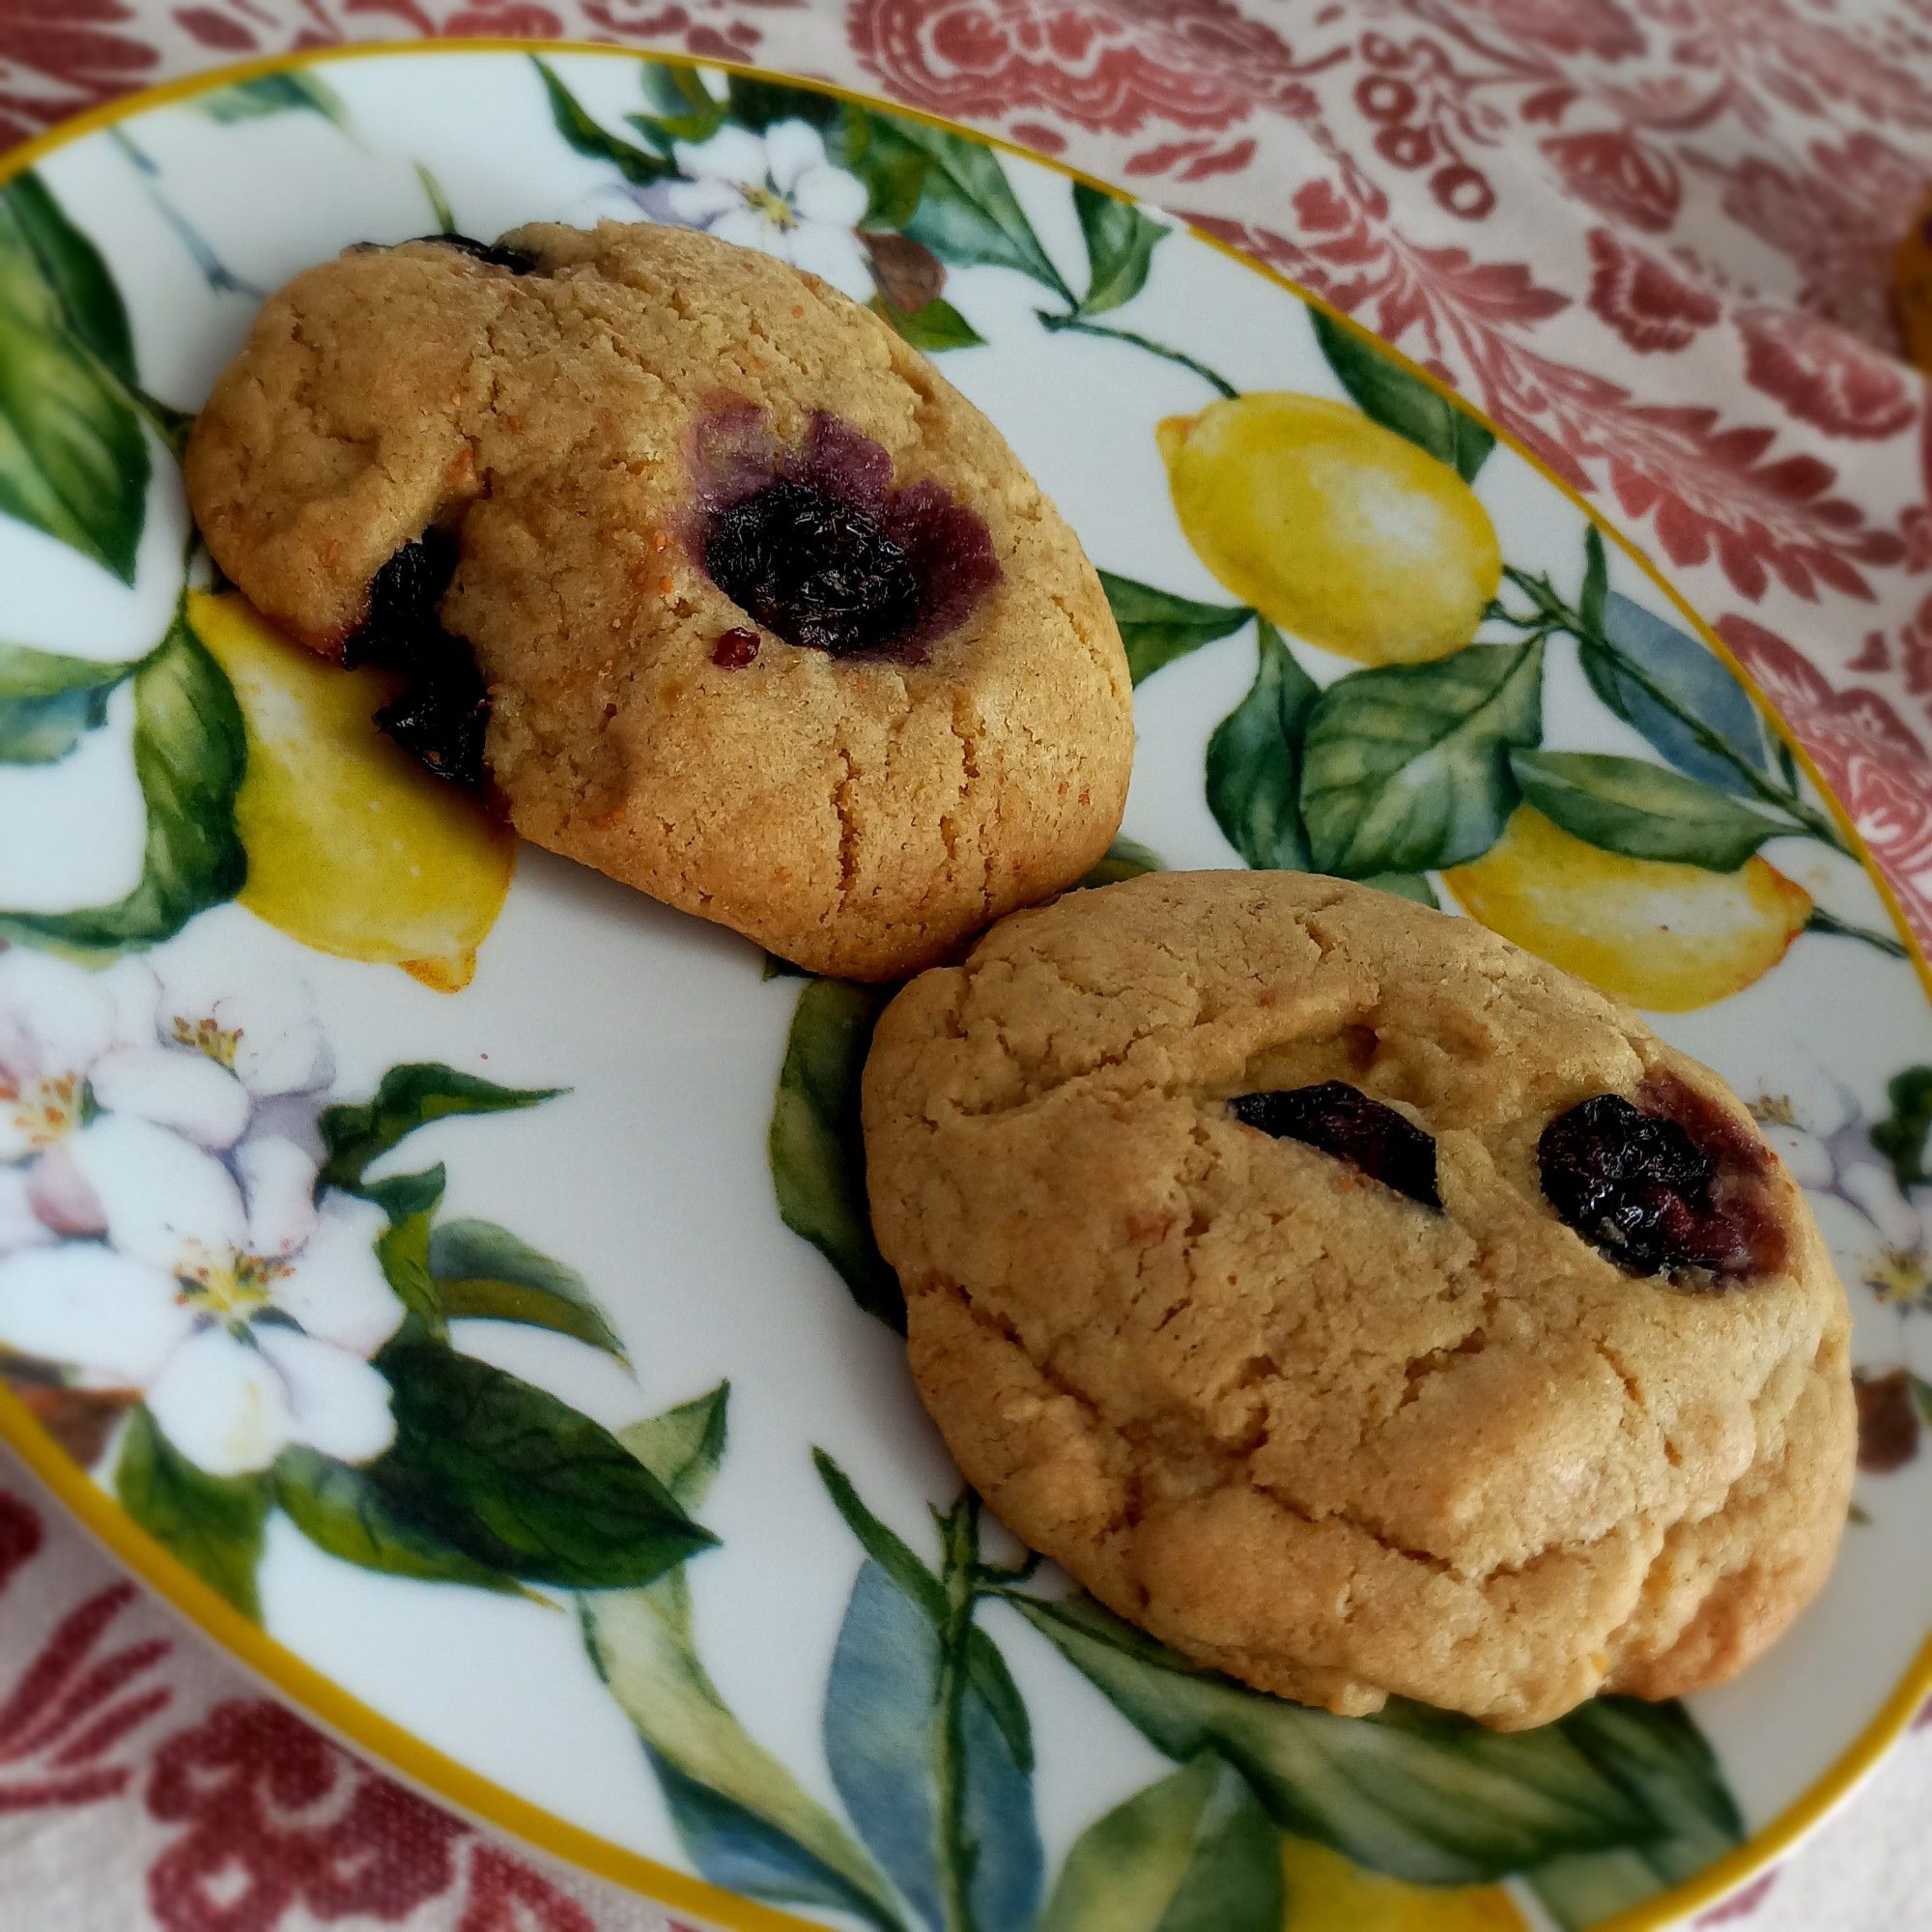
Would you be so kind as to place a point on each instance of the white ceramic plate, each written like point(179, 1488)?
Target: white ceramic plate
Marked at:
point(410, 1329)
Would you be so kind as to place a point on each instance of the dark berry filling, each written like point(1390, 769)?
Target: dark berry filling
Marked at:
point(441, 716)
point(820, 546)
point(443, 711)
point(818, 572)
point(518, 261)
point(1342, 1121)
point(1672, 1186)
point(735, 649)
point(403, 596)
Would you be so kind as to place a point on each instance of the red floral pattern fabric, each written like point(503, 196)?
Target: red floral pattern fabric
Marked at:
point(145, 1783)
point(1650, 236)
point(274, 1817)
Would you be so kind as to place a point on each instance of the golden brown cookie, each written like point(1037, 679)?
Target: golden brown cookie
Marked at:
point(1358, 1303)
point(736, 599)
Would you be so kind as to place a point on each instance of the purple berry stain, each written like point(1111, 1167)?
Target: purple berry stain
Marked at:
point(735, 649)
point(820, 546)
point(1671, 1187)
point(1344, 1121)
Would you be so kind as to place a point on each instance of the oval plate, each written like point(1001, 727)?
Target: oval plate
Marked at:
point(411, 1279)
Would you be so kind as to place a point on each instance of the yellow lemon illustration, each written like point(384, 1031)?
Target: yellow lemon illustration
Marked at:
point(1327, 1893)
point(1337, 529)
point(352, 847)
point(1663, 936)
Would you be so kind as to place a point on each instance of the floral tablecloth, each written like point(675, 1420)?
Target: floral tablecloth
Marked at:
point(1651, 237)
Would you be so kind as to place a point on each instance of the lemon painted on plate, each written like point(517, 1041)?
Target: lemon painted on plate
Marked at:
point(352, 847)
point(1659, 935)
point(1341, 531)
point(1325, 1893)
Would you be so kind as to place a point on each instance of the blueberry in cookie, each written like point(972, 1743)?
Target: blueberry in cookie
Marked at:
point(1360, 1304)
point(691, 560)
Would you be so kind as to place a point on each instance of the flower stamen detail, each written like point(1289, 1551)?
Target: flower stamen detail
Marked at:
point(226, 1283)
point(204, 1036)
point(44, 1110)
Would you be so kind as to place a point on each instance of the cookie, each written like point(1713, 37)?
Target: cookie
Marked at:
point(1361, 1305)
point(725, 589)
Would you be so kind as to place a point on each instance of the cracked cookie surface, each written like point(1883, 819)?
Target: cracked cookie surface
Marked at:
point(1297, 1422)
point(577, 416)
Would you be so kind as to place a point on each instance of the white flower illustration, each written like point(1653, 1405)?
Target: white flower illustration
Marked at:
point(268, 1037)
point(1816, 1124)
point(77, 1048)
point(244, 1312)
point(778, 193)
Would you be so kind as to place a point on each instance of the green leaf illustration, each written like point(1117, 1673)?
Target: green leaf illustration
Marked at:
point(1596, 582)
point(524, 1483)
point(482, 1272)
point(927, 1776)
point(1194, 1853)
point(683, 1446)
point(188, 757)
point(1406, 769)
point(1387, 393)
point(1660, 1758)
point(401, 1249)
point(89, 304)
point(1124, 859)
point(882, 1544)
point(368, 1516)
point(409, 1096)
point(892, 170)
point(1404, 885)
point(775, 1842)
point(637, 165)
point(1682, 697)
point(744, 1820)
point(682, 108)
point(1901, 1135)
point(73, 462)
point(27, 674)
point(985, 1668)
point(816, 1152)
point(275, 94)
point(1640, 809)
point(756, 103)
point(1587, 1887)
point(1418, 1794)
point(966, 211)
point(213, 1524)
point(1254, 760)
point(1120, 241)
point(930, 328)
point(43, 730)
point(439, 202)
point(1156, 626)
point(48, 703)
